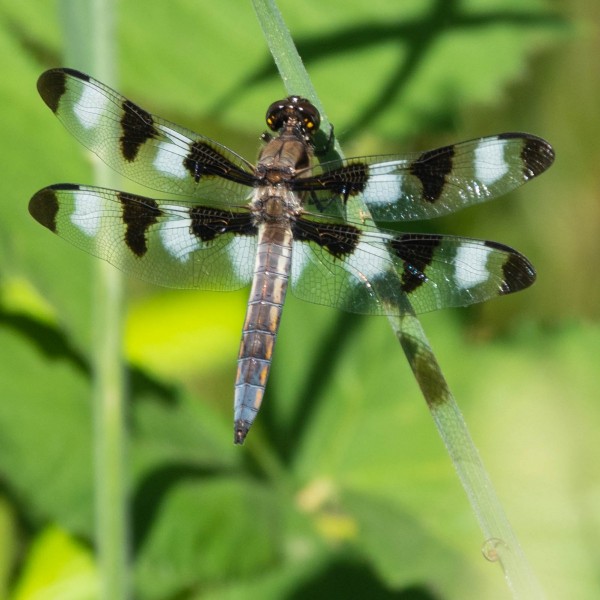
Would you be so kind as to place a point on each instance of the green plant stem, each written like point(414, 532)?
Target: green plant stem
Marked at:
point(89, 37)
point(285, 54)
point(500, 541)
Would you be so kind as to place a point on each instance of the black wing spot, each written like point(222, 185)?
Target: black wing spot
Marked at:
point(203, 160)
point(338, 240)
point(137, 127)
point(139, 214)
point(346, 181)
point(416, 251)
point(432, 168)
point(209, 223)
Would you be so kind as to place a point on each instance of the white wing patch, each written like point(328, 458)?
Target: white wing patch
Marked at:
point(368, 261)
point(87, 216)
point(241, 250)
point(91, 107)
point(384, 185)
point(169, 163)
point(300, 259)
point(175, 137)
point(470, 265)
point(490, 164)
point(176, 234)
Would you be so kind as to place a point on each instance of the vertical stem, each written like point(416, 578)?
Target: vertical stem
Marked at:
point(109, 397)
point(500, 540)
point(110, 437)
point(89, 37)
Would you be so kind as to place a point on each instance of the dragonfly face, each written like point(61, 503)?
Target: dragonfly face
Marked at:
point(294, 109)
point(278, 224)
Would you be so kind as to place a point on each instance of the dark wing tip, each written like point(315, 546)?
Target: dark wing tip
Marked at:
point(43, 207)
point(538, 155)
point(52, 84)
point(518, 273)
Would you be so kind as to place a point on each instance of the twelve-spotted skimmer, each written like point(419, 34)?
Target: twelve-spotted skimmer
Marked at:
point(232, 223)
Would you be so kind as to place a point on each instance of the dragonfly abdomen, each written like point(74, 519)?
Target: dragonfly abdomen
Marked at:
point(269, 286)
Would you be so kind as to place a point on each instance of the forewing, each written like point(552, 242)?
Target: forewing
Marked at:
point(368, 271)
point(432, 183)
point(145, 148)
point(170, 243)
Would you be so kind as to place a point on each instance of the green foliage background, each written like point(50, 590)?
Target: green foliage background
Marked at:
point(343, 488)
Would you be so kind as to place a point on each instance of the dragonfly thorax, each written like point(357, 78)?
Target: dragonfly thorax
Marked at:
point(281, 158)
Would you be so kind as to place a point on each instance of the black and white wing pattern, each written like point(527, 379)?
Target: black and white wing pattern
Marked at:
point(145, 148)
point(208, 241)
point(356, 268)
point(171, 243)
point(434, 183)
point(367, 270)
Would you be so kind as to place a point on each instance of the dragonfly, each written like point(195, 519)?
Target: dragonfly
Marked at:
point(285, 221)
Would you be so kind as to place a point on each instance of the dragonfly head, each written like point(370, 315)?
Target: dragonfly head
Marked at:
point(294, 110)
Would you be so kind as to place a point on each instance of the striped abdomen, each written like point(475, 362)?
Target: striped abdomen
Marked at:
point(267, 295)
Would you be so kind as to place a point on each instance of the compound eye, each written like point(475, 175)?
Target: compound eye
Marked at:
point(293, 107)
point(311, 119)
point(275, 115)
point(272, 123)
point(309, 123)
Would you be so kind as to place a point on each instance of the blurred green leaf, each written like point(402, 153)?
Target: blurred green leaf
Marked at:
point(400, 549)
point(209, 531)
point(46, 424)
point(182, 322)
point(58, 568)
